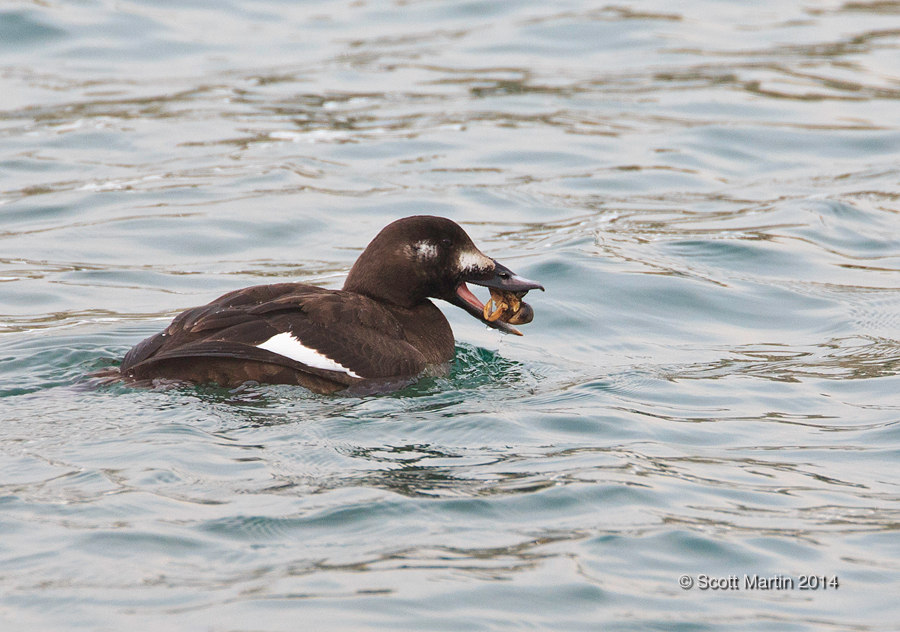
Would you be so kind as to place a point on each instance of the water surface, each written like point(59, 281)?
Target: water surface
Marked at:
point(709, 192)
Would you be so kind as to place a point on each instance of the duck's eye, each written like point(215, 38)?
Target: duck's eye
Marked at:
point(446, 243)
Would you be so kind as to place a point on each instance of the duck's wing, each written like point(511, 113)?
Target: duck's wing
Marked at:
point(339, 336)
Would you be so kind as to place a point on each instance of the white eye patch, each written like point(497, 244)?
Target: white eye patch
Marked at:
point(286, 345)
point(422, 251)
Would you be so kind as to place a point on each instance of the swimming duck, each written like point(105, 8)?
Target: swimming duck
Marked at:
point(379, 333)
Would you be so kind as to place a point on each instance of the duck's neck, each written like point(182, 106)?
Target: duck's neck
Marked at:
point(426, 328)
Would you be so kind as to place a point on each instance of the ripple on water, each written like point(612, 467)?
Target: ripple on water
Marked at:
point(708, 192)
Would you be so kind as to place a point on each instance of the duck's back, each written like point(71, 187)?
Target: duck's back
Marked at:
point(290, 333)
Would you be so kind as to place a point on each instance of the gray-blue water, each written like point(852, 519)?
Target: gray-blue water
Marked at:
point(710, 192)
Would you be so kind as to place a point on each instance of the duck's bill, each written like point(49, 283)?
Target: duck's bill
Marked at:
point(503, 282)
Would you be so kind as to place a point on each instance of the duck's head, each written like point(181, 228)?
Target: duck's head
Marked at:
point(421, 257)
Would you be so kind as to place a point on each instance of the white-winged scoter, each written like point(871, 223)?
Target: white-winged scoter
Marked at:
point(378, 333)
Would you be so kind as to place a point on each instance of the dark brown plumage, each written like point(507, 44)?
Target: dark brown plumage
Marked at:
point(379, 333)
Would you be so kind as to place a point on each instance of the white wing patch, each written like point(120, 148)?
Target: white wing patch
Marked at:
point(474, 260)
point(285, 344)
